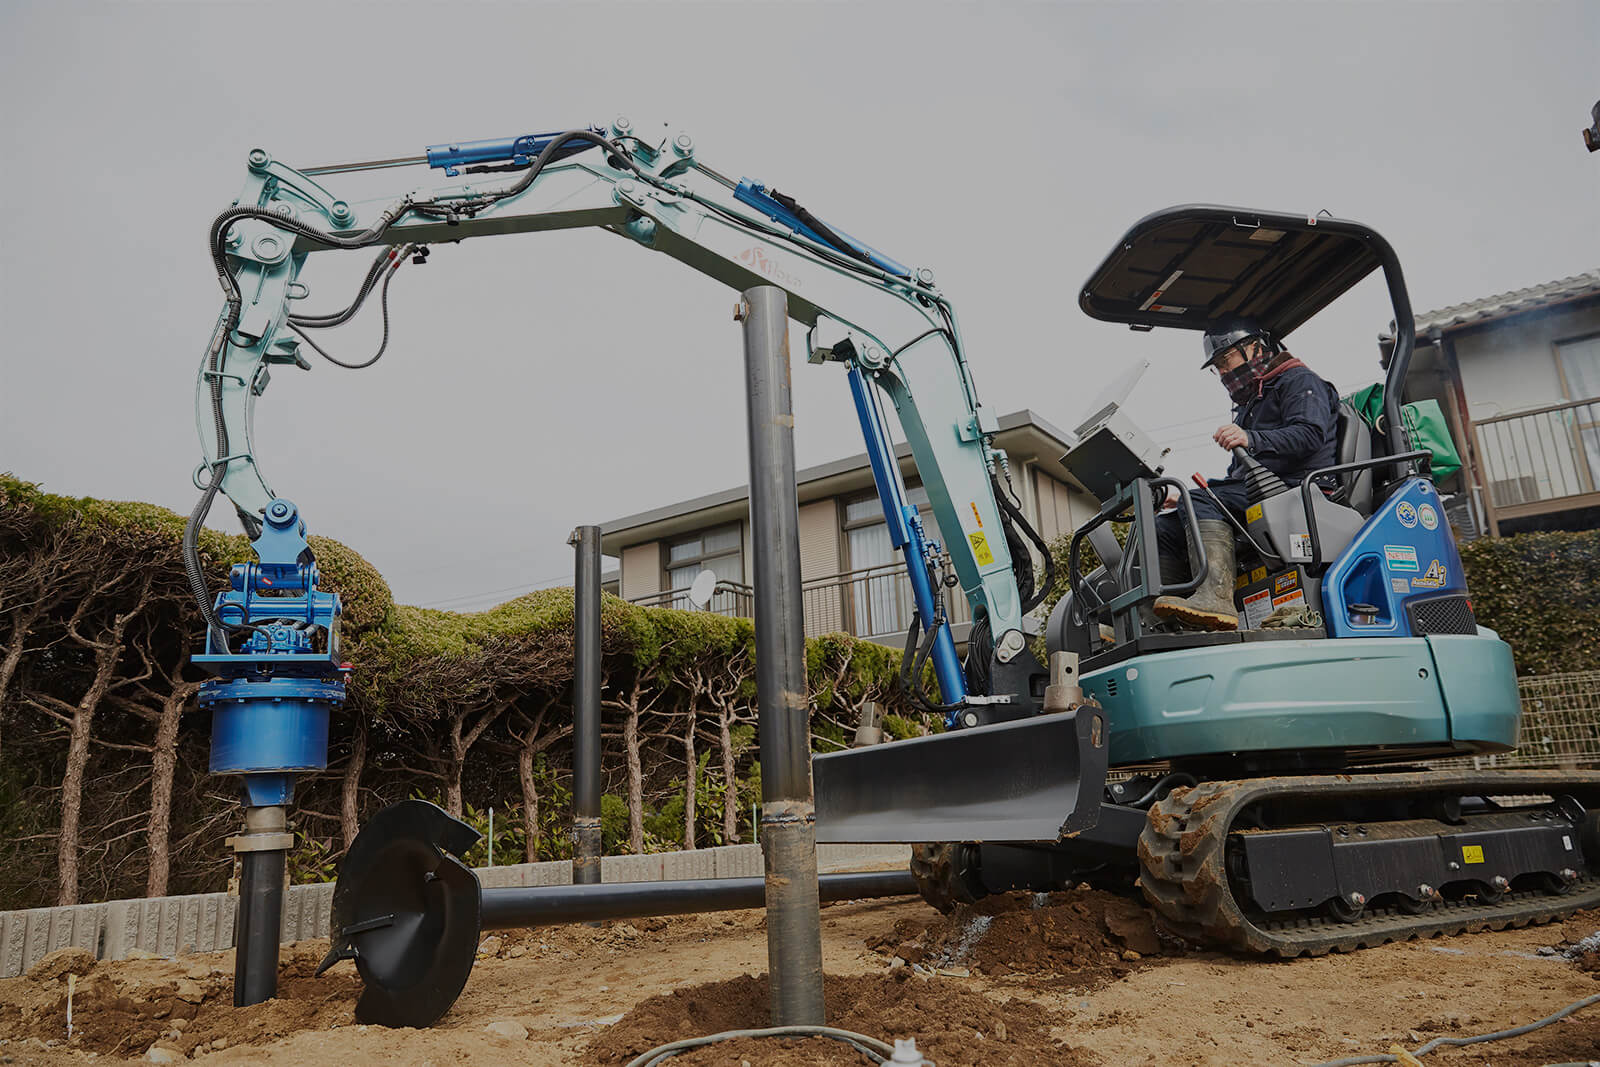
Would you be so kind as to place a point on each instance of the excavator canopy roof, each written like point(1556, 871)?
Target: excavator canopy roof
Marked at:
point(1195, 264)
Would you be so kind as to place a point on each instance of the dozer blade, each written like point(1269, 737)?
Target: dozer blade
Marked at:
point(1028, 780)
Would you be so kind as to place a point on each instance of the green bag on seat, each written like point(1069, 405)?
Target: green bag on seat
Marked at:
point(1425, 425)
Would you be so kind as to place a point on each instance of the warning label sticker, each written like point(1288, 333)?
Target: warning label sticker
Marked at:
point(980, 549)
point(1258, 574)
point(1471, 853)
point(1257, 606)
point(1253, 513)
point(1400, 557)
point(1295, 599)
point(1150, 301)
point(971, 521)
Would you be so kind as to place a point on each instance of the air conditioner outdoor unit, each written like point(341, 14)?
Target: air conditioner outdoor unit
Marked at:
point(1508, 492)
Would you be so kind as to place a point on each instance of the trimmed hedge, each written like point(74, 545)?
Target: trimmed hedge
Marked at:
point(97, 625)
point(1541, 593)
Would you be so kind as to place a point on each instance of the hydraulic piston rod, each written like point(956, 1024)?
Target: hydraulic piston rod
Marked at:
point(410, 914)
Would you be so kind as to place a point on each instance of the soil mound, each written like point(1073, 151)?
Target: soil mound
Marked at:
point(126, 1009)
point(1086, 937)
point(953, 1025)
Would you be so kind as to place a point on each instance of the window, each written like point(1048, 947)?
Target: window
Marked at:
point(1580, 366)
point(881, 600)
point(719, 551)
point(1580, 369)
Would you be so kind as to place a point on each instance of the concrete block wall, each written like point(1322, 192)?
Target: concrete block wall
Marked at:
point(203, 922)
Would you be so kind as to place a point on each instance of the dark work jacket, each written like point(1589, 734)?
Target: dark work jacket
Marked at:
point(1293, 425)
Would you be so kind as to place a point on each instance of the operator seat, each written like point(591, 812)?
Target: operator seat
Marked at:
point(1355, 445)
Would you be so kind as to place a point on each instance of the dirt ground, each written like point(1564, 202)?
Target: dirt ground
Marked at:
point(1078, 978)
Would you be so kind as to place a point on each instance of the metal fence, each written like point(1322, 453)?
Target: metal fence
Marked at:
point(1548, 454)
point(871, 602)
point(733, 599)
point(1560, 725)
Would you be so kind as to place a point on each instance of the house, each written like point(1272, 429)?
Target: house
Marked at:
point(851, 579)
point(1518, 377)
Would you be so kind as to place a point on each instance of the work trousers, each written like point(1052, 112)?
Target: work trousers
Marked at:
point(1169, 524)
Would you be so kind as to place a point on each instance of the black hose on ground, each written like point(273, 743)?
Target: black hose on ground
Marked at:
point(875, 1050)
point(1456, 1042)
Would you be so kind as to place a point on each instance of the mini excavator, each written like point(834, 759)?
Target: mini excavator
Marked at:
point(1268, 794)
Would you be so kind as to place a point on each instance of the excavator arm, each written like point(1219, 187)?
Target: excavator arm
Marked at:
point(888, 324)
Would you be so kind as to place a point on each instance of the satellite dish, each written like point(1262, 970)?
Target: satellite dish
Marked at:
point(705, 584)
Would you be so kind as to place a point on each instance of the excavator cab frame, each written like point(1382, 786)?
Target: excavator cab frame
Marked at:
point(1191, 267)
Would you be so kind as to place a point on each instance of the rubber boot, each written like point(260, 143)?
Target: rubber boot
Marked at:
point(1211, 606)
point(1173, 571)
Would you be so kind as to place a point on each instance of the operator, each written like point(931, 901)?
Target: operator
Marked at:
point(1287, 418)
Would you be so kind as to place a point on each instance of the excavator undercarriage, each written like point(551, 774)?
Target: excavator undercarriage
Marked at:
point(1310, 864)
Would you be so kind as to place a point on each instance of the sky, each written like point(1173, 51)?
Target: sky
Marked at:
point(538, 382)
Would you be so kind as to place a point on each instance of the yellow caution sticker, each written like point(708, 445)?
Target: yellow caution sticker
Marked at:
point(1252, 513)
point(980, 548)
point(1241, 581)
point(1472, 853)
point(1258, 574)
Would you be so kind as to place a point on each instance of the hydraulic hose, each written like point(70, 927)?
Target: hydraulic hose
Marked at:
point(915, 656)
point(338, 318)
point(980, 646)
point(191, 561)
point(383, 302)
point(1009, 511)
point(230, 317)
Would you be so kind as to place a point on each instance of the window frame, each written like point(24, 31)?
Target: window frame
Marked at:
point(1561, 368)
point(668, 564)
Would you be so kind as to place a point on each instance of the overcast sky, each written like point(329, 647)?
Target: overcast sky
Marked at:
point(534, 383)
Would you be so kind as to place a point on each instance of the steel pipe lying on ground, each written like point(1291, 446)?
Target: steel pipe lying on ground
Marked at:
point(410, 913)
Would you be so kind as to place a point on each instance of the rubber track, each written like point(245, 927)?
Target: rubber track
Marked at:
point(1185, 879)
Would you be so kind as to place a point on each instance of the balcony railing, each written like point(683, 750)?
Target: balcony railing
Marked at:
point(1536, 457)
point(872, 602)
point(733, 599)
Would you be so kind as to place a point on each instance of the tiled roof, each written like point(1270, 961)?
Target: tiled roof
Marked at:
point(1516, 301)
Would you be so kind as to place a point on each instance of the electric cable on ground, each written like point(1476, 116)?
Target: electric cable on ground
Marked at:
point(1453, 1042)
point(877, 1051)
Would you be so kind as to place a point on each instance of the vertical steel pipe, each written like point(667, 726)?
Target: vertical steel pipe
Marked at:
point(586, 707)
point(788, 814)
point(263, 851)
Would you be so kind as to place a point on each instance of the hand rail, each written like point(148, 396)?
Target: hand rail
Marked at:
point(1198, 562)
point(1305, 489)
point(1511, 415)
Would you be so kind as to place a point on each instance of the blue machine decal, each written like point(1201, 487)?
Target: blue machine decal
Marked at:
point(1403, 554)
